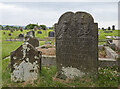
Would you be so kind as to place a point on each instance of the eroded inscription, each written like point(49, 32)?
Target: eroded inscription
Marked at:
point(76, 43)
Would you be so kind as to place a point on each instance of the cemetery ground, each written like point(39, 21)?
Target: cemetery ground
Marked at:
point(107, 77)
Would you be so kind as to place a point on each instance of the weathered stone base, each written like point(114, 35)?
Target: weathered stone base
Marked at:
point(103, 62)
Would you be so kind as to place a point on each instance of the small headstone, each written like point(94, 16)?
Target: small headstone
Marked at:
point(32, 40)
point(44, 28)
point(113, 27)
point(109, 28)
point(25, 63)
point(4, 33)
point(51, 34)
point(103, 29)
point(21, 29)
point(9, 34)
point(11, 31)
point(35, 28)
point(20, 36)
point(31, 33)
point(39, 32)
point(76, 45)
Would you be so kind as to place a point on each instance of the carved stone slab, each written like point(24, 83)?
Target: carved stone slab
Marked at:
point(76, 45)
point(25, 63)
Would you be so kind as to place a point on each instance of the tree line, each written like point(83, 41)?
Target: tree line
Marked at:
point(29, 26)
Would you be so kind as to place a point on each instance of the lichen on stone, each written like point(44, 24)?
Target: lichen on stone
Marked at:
point(71, 72)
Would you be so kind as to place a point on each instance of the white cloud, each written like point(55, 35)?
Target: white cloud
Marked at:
point(48, 13)
point(59, 0)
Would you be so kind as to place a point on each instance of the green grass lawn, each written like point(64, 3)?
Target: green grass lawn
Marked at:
point(102, 34)
point(9, 46)
point(107, 77)
point(16, 33)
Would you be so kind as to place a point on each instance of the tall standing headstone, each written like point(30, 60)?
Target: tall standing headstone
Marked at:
point(76, 45)
point(25, 63)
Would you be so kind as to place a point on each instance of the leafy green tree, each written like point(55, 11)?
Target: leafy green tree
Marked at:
point(1, 27)
point(43, 26)
point(31, 26)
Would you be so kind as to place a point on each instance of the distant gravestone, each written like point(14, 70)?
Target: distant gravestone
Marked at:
point(31, 33)
point(21, 29)
point(33, 41)
point(51, 34)
point(25, 63)
point(76, 45)
point(113, 27)
point(109, 28)
point(39, 32)
point(35, 28)
point(4, 33)
point(20, 36)
point(44, 28)
point(9, 34)
point(102, 28)
point(11, 31)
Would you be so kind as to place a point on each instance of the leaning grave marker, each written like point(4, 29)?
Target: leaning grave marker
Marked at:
point(25, 63)
point(32, 40)
point(76, 45)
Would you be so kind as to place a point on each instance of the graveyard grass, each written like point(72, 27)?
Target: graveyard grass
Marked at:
point(107, 77)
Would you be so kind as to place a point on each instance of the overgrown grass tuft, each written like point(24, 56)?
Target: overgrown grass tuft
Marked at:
point(107, 77)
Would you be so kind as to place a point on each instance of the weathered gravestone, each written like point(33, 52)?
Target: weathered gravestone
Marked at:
point(32, 40)
point(76, 45)
point(39, 32)
point(31, 33)
point(25, 63)
point(21, 29)
point(9, 34)
point(109, 28)
point(20, 36)
point(113, 27)
point(4, 33)
point(11, 31)
point(51, 34)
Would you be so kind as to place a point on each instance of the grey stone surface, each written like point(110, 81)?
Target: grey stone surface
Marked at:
point(76, 45)
point(110, 53)
point(32, 40)
point(117, 43)
point(107, 62)
point(48, 60)
point(100, 47)
point(25, 63)
point(51, 34)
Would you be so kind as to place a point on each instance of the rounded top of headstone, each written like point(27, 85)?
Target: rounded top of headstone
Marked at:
point(78, 15)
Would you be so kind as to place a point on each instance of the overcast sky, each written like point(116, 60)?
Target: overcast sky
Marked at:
point(48, 13)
